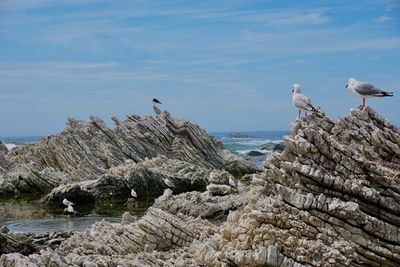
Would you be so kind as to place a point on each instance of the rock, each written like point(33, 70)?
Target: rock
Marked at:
point(16, 259)
point(88, 150)
point(274, 147)
point(208, 206)
point(331, 198)
point(219, 189)
point(4, 163)
point(255, 153)
point(219, 177)
point(3, 149)
point(146, 178)
point(127, 218)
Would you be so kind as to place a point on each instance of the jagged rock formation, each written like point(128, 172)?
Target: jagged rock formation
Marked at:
point(87, 150)
point(3, 149)
point(332, 198)
point(4, 164)
point(28, 243)
point(147, 178)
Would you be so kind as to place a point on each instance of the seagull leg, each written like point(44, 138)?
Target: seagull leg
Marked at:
point(298, 117)
point(305, 114)
point(363, 104)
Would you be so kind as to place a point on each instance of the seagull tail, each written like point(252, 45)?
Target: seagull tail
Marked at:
point(313, 109)
point(387, 93)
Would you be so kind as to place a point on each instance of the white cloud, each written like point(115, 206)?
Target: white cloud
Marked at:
point(383, 19)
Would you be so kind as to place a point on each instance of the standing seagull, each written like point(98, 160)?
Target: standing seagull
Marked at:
point(155, 108)
point(66, 202)
point(300, 101)
point(156, 101)
point(133, 193)
point(365, 90)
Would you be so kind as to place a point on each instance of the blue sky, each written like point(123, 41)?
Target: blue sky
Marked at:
point(226, 65)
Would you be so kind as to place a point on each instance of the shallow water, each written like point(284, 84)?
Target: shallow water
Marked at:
point(58, 224)
point(29, 216)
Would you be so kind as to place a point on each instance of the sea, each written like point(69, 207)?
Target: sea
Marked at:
point(254, 146)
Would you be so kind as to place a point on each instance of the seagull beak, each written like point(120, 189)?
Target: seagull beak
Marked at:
point(347, 85)
point(292, 90)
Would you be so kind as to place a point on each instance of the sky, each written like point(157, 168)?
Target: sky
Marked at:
point(226, 65)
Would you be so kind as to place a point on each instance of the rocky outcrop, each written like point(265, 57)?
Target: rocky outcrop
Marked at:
point(331, 198)
point(148, 178)
point(333, 201)
point(3, 149)
point(28, 243)
point(4, 164)
point(87, 150)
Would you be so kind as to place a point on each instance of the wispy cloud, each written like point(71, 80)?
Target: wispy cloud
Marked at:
point(383, 19)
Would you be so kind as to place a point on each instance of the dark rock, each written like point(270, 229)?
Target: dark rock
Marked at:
point(274, 147)
point(255, 153)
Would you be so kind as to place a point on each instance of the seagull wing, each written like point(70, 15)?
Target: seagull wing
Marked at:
point(302, 102)
point(367, 89)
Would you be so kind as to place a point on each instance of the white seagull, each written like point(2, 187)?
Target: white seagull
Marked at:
point(300, 101)
point(155, 108)
point(66, 202)
point(365, 90)
point(93, 230)
point(231, 181)
point(133, 193)
point(70, 209)
point(168, 182)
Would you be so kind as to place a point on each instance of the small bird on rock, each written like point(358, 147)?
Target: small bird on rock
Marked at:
point(70, 209)
point(156, 101)
point(155, 108)
point(300, 101)
point(232, 182)
point(66, 202)
point(168, 182)
point(365, 90)
point(133, 193)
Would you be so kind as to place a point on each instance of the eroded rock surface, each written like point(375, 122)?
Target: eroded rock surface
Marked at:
point(147, 178)
point(332, 198)
point(4, 164)
point(88, 150)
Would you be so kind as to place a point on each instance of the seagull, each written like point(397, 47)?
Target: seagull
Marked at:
point(66, 202)
point(300, 101)
point(70, 209)
point(93, 230)
point(231, 182)
point(155, 108)
point(133, 193)
point(365, 90)
point(168, 182)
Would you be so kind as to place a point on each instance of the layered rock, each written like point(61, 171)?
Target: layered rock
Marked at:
point(87, 150)
point(147, 178)
point(334, 199)
point(3, 149)
point(331, 198)
point(4, 164)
